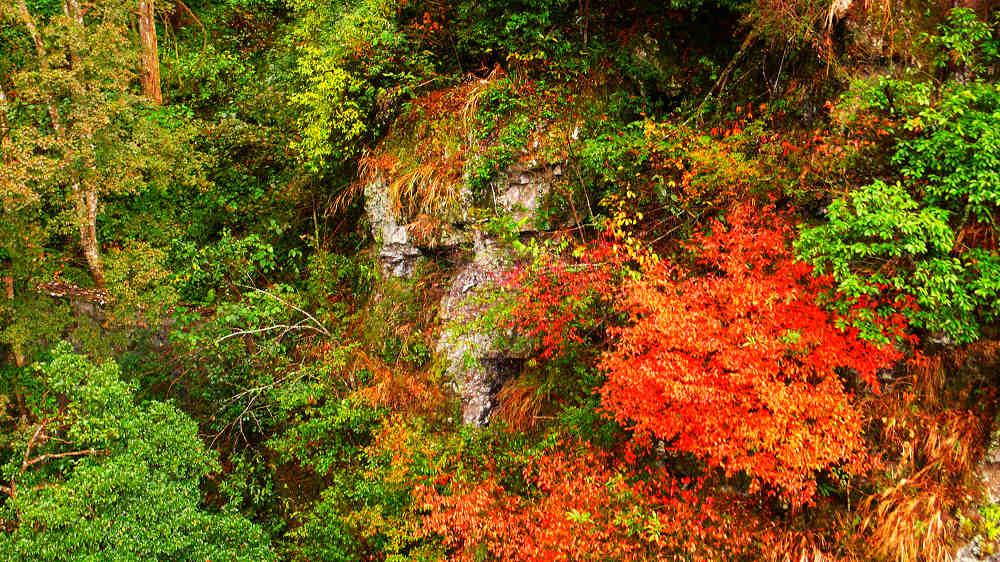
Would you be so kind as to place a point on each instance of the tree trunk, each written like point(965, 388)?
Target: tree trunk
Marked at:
point(5, 148)
point(87, 202)
point(85, 199)
point(19, 360)
point(149, 59)
point(72, 9)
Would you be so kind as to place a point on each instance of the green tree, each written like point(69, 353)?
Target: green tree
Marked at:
point(930, 233)
point(79, 131)
point(354, 62)
point(879, 238)
point(98, 477)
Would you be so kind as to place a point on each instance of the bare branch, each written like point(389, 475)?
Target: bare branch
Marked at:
point(286, 327)
point(204, 30)
point(320, 327)
point(31, 444)
point(50, 456)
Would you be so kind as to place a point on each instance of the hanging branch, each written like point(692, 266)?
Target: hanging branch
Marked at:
point(11, 490)
point(284, 327)
point(5, 147)
point(204, 31)
point(319, 327)
point(50, 456)
point(37, 438)
point(723, 79)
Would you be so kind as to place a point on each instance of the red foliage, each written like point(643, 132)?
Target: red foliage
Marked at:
point(553, 297)
point(582, 508)
point(738, 365)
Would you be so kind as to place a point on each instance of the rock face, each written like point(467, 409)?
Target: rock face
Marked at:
point(474, 363)
point(973, 552)
point(520, 191)
point(989, 467)
point(396, 253)
point(983, 365)
point(523, 190)
point(989, 473)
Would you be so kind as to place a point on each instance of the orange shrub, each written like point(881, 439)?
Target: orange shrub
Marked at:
point(584, 507)
point(739, 365)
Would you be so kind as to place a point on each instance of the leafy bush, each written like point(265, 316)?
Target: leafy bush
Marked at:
point(224, 265)
point(950, 147)
point(352, 59)
point(529, 30)
point(582, 505)
point(140, 283)
point(337, 276)
point(930, 233)
point(333, 119)
point(106, 475)
point(963, 43)
point(879, 239)
point(743, 344)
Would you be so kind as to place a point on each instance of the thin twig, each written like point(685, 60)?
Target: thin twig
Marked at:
point(319, 325)
point(50, 456)
point(204, 31)
point(720, 83)
point(286, 327)
point(31, 444)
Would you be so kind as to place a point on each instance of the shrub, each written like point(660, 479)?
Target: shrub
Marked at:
point(738, 364)
point(95, 473)
point(879, 240)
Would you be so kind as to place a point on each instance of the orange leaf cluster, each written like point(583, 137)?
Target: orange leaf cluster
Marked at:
point(554, 296)
point(739, 365)
point(581, 507)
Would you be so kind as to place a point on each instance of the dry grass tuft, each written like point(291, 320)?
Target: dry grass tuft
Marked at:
point(423, 157)
point(521, 402)
point(398, 389)
point(932, 449)
point(913, 518)
point(801, 547)
point(910, 521)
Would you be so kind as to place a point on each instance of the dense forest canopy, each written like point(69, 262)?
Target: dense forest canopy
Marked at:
point(499, 280)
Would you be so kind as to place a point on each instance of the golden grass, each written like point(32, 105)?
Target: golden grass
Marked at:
point(801, 547)
point(931, 452)
point(521, 403)
point(423, 157)
point(913, 518)
point(398, 388)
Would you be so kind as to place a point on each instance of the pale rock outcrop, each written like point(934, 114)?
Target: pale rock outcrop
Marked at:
point(397, 254)
point(524, 188)
point(474, 362)
point(473, 359)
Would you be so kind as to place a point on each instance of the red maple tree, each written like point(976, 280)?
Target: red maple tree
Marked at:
point(735, 362)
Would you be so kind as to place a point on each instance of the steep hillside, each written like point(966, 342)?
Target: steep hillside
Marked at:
point(499, 280)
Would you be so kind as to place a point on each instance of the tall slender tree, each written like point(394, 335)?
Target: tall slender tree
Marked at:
point(83, 132)
point(85, 197)
point(5, 148)
point(149, 58)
